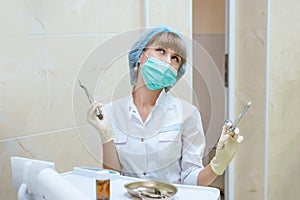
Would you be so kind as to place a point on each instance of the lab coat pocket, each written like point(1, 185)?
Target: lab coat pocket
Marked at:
point(170, 136)
point(120, 139)
point(169, 147)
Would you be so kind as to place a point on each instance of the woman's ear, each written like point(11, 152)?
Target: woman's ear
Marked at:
point(140, 57)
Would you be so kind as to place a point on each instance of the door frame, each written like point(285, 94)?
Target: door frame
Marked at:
point(230, 48)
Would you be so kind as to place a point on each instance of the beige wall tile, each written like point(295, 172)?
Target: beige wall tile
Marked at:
point(114, 82)
point(175, 15)
point(118, 16)
point(64, 61)
point(250, 83)
point(283, 165)
point(76, 147)
point(24, 87)
point(251, 14)
point(70, 17)
point(22, 17)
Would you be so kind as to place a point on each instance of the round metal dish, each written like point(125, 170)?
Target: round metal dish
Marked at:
point(151, 190)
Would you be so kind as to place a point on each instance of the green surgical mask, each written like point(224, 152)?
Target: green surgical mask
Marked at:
point(158, 74)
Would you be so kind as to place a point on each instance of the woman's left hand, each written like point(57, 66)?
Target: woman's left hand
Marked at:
point(226, 148)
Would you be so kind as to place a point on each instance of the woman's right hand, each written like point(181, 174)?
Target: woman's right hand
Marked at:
point(104, 127)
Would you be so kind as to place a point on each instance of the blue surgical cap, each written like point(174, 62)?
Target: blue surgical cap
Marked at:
point(139, 46)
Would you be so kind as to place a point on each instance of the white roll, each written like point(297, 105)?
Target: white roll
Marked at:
point(52, 186)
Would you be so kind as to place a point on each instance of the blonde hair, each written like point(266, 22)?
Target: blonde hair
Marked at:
point(172, 41)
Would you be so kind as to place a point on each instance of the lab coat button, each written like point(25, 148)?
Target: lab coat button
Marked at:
point(142, 139)
point(144, 173)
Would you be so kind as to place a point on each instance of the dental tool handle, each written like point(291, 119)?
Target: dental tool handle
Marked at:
point(99, 114)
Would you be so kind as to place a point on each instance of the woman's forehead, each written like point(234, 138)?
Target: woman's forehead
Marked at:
point(169, 40)
point(156, 45)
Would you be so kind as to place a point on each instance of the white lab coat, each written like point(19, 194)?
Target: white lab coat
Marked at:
point(167, 147)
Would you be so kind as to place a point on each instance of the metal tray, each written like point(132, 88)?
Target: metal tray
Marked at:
point(151, 190)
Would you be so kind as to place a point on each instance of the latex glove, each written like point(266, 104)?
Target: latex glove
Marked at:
point(226, 148)
point(103, 126)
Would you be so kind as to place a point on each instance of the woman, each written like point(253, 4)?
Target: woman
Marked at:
point(151, 134)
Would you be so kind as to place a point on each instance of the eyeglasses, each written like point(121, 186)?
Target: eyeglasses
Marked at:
point(162, 53)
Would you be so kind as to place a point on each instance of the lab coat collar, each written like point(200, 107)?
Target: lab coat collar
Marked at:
point(163, 100)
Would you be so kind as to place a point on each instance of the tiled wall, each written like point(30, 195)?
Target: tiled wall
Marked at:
point(250, 85)
point(44, 45)
point(284, 101)
point(269, 144)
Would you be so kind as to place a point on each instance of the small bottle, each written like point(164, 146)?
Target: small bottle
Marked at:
point(103, 189)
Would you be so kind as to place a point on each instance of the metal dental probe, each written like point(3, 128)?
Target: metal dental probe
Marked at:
point(91, 100)
point(239, 117)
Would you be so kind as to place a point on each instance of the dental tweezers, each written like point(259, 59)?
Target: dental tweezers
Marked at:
point(238, 119)
point(91, 100)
